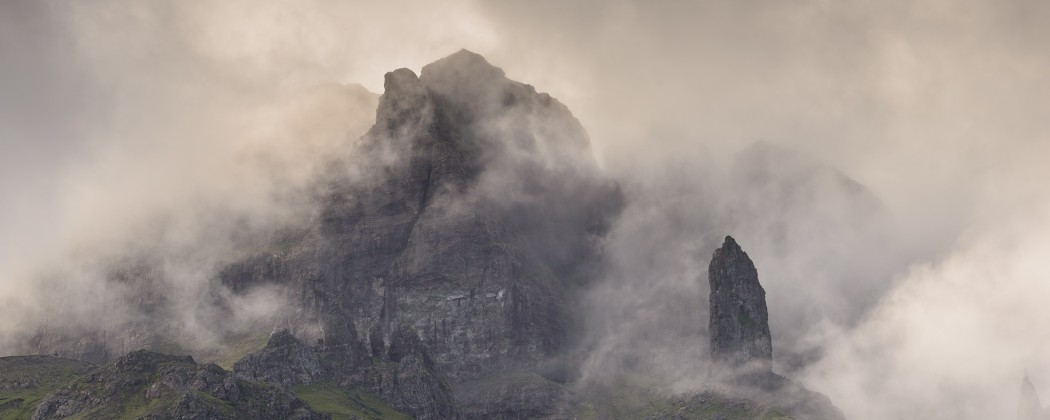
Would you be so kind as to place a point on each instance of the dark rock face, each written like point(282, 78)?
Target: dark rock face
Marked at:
point(158, 386)
point(470, 221)
point(740, 342)
point(455, 246)
point(739, 323)
point(285, 362)
point(467, 219)
point(406, 380)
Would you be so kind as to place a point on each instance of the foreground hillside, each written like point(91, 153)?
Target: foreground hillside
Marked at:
point(150, 385)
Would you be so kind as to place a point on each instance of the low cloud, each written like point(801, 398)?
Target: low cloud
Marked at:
point(187, 131)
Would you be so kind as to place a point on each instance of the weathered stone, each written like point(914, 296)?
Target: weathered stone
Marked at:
point(514, 395)
point(285, 362)
point(472, 217)
point(406, 379)
point(173, 387)
point(739, 323)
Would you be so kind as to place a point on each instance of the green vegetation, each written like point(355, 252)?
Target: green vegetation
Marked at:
point(342, 403)
point(621, 399)
point(239, 348)
point(775, 414)
point(512, 380)
point(137, 406)
point(129, 401)
point(637, 399)
point(25, 380)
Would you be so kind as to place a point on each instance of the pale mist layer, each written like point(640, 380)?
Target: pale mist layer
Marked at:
point(920, 297)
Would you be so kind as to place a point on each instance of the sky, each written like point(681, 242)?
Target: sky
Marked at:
point(114, 114)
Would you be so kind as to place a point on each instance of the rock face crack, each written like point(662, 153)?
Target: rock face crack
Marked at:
point(739, 323)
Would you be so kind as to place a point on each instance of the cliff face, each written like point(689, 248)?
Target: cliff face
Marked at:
point(469, 219)
point(739, 323)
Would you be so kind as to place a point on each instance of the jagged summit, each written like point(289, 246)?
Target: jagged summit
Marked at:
point(739, 323)
point(461, 70)
point(399, 80)
point(462, 66)
point(730, 245)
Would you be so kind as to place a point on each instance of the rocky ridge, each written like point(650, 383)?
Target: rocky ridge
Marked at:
point(143, 384)
point(441, 276)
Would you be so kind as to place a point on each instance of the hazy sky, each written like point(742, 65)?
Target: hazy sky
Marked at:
point(112, 112)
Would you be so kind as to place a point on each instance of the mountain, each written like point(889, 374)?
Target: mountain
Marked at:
point(471, 221)
point(440, 277)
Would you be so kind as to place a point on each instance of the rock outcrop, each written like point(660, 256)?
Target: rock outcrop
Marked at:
point(285, 362)
point(739, 319)
point(742, 350)
point(407, 380)
point(143, 384)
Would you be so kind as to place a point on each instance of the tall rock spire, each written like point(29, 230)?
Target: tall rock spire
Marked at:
point(739, 323)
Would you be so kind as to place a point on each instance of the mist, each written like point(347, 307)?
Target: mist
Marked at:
point(882, 164)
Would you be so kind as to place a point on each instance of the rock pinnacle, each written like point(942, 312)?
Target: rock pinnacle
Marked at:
point(739, 323)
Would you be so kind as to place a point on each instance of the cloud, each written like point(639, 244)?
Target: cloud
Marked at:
point(955, 335)
point(164, 126)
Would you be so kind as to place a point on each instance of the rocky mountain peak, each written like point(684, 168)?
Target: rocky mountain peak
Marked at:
point(739, 323)
point(401, 84)
point(462, 67)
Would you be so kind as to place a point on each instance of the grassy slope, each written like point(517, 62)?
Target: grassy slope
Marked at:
point(341, 403)
point(634, 399)
point(24, 380)
point(130, 402)
point(238, 349)
point(44, 374)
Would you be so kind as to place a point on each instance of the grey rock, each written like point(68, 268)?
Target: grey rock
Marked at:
point(406, 379)
point(285, 362)
point(473, 218)
point(741, 346)
point(739, 319)
point(514, 395)
point(168, 387)
point(467, 221)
